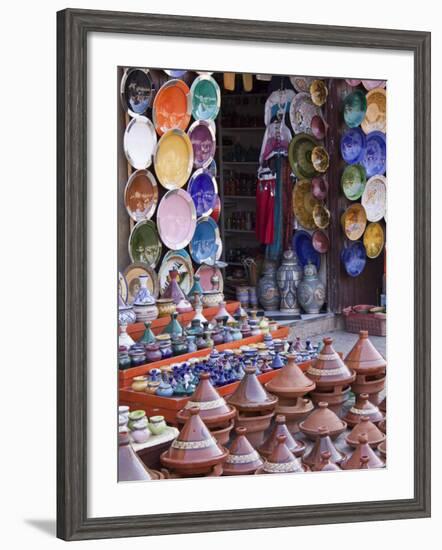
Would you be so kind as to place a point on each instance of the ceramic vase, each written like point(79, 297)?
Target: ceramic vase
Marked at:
point(144, 303)
point(268, 293)
point(288, 277)
point(311, 292)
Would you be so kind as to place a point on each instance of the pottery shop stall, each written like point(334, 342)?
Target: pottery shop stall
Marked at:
point(248, 205)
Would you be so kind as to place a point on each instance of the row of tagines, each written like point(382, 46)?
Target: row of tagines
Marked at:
point(200, 449)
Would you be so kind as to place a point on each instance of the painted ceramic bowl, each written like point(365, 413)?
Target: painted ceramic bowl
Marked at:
point(302, 112)
point(371, 84)
point(165, 307)
point(202, 136)
point(303, 203)
point(174, 261)
point(206, 242)
point(319, 187)
point(321, 216)
point(355, 105)
point(176, 219)
point(353, 143)
point(139, 142)
point(376, 115)
point(302, 245)
point(374, 239)
point(320, 241)
point(318, 92)
point(375, 156)
point(141, 195)
point(206, 98)
point(320, 159)
point(354, 221)
point(136, 91)
point(374, 198)
point(300, 155)
point(354, 258)
point(301, 83)
point(353, 181)
point(144, 243)
point(203, 189)
point(173, 159)
point(170, 107)
point(319, 127)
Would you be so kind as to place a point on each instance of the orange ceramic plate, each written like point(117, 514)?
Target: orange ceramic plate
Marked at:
point(173, 159)
point(170, 107)
point(354, 221)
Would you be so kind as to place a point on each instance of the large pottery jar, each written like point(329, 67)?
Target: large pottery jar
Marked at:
point(311, 292)
point(268, 293)
point(288, 277)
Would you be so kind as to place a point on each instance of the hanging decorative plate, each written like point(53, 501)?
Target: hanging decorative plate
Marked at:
point(173, 159)
point(206, 98)
point(352, 82)
point(171, 107)
point(374, 240)
point(354, 221)
point(136, 91)
point(319, 187)
point(144, 243)
point(132, 273)
point(319, 127)
point(216, 210)
point(206, 242)
point(123, 289)
point(302, 111)
point(320, 241)
point(321, 216)
point(139, 142)
point(203, 189)
point(318, 92)
point(376, 114)
point(176, 73)
point(300, 155)
point(320, 159)
point(202, 137)
point(176, 219)
point(303, 203)
point(371, 84)
point(302, 245)
point(177, 262)
point(353, 181)
point(353, 144)
point(355, 105)
point(301, 83)
point(182, 252)
point(141, 195)
point(206, 273)
point(374, 198)
point(277, 105)
point(375, 156)
point(354, 258)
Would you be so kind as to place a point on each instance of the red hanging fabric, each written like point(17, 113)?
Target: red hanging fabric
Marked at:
point(265, 208)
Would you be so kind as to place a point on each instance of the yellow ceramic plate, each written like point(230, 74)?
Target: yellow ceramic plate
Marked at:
point(376, 114)
point(173, 159)
point(303, 203)
point(320, 159)
point(318, 92)
point(354, 221)
point(374, 239)
point(321, 216)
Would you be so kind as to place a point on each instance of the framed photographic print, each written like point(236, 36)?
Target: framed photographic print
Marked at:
point(225, 348)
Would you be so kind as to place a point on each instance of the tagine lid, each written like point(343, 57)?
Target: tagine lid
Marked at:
point(322, 417)
point(323, 444)
point(280, 428)
point(363, 451)
point(363, 407)
point(290, 381)
point(365, 426)
point(326, 465)
point(364, 358)
point(243, 458)
point(281, 460)
point(329, 370)
point(213, 408)
point(250, 395)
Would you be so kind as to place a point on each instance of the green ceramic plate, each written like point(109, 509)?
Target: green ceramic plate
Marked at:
point(206, 98)
point(145, 244)
point(353, 181)
point(355, 105)
point(300, 155)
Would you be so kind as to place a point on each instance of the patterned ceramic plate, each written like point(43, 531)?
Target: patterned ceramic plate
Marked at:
point(353, 181)
point(375, 156)
point(171, 107)
point(374, 198)
point(176, 261)
point(321, 216)
point(303, 203)
point(301, 83)
point(371, 84)
point(300, 155)
point(123, 289)
point(355, 105)
point(176, 219)
point(302, 245)
point(132, 273)
point(203, 189)
point(175, 73)
point(139, 142)
point(374, 240)
point(302, 111)
point(141, 195)
point(354, 221)
point(206, 98)
point(136, 91)
point(354, 258)
point(173, 159)
point(376, 114)
point(353, 145)
point(206, 242)
point(144, 243)
point(202, 137)
point(320, 241)
point(205, 273)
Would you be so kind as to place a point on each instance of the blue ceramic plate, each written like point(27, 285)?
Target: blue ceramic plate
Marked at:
point(302, 245)
point(175, 73)
point(354, 258)
point(375, 157)
point(353, 144)
point(203, 189)
point(206, 242)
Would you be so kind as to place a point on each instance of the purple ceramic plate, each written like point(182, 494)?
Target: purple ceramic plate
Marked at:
point(202, 137)
point(203, 189)
point(176, 219)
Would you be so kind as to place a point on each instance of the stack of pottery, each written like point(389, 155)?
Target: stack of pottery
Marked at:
point(195, 452)
point(281, 460)
point(242, 459)
point(332, 378)
point(288, 277)
point(369, 366)
point(130, 467)
point(365, 426)
point(268, 293)
point(144, 303)
point(323, 444)
point(198, 307)
point(173, 291)
point(290, 385)
point(255, 406)
point(362, 457)
point(363, 408)
point(138, 426)
point(295, 446)
point(214, 411)
point(321, 418)
point(311, 291)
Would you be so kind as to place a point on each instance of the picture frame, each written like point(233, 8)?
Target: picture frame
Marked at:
point(73, 27)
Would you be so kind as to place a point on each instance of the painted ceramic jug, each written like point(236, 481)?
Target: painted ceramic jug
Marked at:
point(288, 277)
point(268, 292)
point(311, 292)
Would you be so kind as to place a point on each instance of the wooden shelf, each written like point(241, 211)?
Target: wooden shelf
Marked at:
point(252, 232)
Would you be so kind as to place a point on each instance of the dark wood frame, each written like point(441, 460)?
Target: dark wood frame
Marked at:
point(73, 27)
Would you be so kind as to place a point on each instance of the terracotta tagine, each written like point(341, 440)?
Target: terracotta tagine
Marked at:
point(130, 467)
point(250, 396)
point(323, 444)
point(362, 457)
point(383, 405)
point(365, 426)
point(295, 413)
point(326, 465)
point(329, 371)
point(290, 383)
point(195, 451)
point(335, 398)
point(280, 428)
point(242, 459)
point(322, 417)
point(361, 408)
point(222, 435)
point(383, 426)
point(281, 460)
point(382, 448)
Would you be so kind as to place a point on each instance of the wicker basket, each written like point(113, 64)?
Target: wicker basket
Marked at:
point(374, 323)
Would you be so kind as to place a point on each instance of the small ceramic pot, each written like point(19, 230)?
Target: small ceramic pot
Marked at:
point(157, 425)
point(139, 383)
point(222, 435)
point(242, 295)
point(212, 298)
point(256, 426)
point(152, 387)
point(165, 306)
point(153, 353)
point(145, 312)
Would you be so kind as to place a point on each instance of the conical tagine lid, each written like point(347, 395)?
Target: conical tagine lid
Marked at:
point(322, 417)
point(242, 459)
point(213, 408)
point(326, 465)
point(363, 457)
point(364, 358)
point(290, 381)
point(363, 407)
point(250, 395)
point(173, 290)
point(280, 428)
point(365, 426)
point(282, 459)
point(323, 444)
point(329, 370)
point(130, 467)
